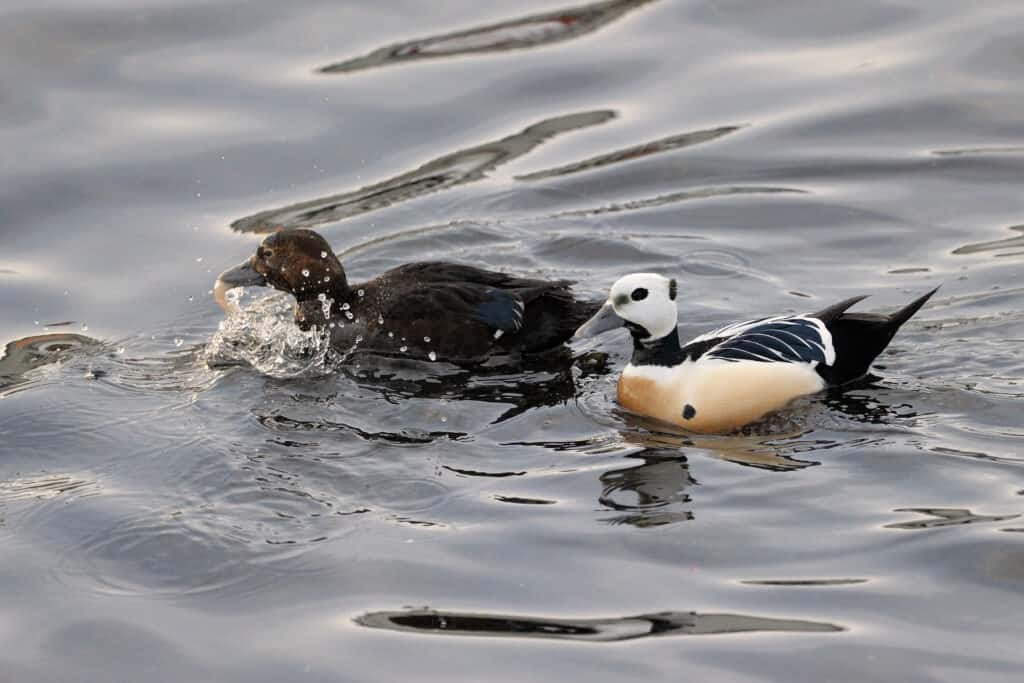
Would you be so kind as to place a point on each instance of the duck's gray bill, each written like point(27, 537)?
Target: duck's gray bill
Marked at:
point(604, 320)
point(242, 275)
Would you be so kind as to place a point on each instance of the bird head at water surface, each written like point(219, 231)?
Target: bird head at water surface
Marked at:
point(299, 262)
point(643, 303)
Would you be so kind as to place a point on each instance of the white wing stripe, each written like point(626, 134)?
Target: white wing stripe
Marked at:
point(750, 338)
point(740, 340)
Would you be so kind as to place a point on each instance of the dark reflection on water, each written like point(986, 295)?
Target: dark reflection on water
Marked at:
point(940, 517)
point(648, 494)
point(636, 152)
point(464, 166)
point(805, 582)
point(535, 30)
point(675, 197)
point(173, 507)
point(589, 630)
point(996, 245)
point(22, 356)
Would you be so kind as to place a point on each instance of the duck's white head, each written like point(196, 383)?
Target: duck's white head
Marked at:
point(643, 302)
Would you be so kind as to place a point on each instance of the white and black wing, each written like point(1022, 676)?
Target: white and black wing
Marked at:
point(796, 339)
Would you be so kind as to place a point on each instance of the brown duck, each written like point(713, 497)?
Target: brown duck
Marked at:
point(431, 310)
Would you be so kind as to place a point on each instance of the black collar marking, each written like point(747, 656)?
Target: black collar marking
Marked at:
point(665, 351)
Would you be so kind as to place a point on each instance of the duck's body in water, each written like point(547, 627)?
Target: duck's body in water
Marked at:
point(736, 374)
point(430, 310)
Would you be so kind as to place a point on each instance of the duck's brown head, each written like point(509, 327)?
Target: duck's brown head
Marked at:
point(299, 262)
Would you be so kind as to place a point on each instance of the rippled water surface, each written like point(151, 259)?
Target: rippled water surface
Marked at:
point(181, 499)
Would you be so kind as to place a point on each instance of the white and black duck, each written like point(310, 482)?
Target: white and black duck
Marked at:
point(737, 374)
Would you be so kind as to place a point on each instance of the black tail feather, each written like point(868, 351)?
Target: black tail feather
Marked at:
point(829, 314)
point(907, 312)
point(859, 338)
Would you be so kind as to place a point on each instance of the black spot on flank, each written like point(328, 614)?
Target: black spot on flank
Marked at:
point(639, 294)
point(673, 289)
point(689, 412)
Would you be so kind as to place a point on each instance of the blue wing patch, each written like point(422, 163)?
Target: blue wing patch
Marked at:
point(501, 310)
point(787, 340)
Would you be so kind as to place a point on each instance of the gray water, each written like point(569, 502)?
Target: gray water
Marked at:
point(165, 520)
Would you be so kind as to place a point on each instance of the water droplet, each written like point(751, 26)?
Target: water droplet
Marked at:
point(359, 338)
point(426, 339)
point(85, 328)
point(403, 349)
point(327, 278)
point(380, 320)
point(199, 259)
point(191, 298)
point(444, 419)
point(178, 341)
point(120, 350)
point(323, 254)
point(360, 292)
point(432, 356)
point(348, 314)
point(37, 323)
point(345, 306)
point(332, 326)
point(305, 272)
point(391, 335)
point(321, 296)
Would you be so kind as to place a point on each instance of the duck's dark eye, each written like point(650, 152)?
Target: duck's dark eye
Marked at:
point(266, 254)
point(639, 294)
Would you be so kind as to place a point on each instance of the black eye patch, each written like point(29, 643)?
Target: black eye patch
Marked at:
point(639, 294)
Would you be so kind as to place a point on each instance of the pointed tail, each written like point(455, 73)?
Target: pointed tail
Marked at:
point(858, 338)
point(901, 316)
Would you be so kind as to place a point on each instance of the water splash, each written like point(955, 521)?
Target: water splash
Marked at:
point(265, 336)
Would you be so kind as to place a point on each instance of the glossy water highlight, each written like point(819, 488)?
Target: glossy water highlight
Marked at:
point(186, 495)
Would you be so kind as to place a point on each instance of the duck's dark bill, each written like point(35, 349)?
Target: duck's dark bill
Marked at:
point(242, 275)
point(605, 319)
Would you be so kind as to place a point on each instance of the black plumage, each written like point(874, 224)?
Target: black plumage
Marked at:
point(441, 310)
point(858, 338)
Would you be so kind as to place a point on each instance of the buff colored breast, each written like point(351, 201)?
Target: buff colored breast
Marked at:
point(714, 396)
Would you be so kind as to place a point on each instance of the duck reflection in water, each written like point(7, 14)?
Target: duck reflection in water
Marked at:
point(548, 379)
point(650, 493)
point(545, 380)
point(21, 356)
point(657, 490)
